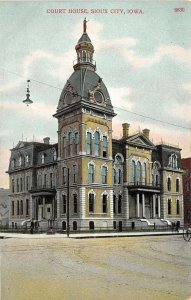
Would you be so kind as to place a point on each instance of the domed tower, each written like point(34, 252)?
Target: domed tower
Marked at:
point(84, 116)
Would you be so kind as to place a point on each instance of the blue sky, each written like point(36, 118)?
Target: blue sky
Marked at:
point(144, 60)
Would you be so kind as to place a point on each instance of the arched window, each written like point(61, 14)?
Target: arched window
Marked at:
point(96, 143)
point(169, 207)
point(91, 202)
point(84, 56)
point(26, 158)
point(169, 184)
point(75, 173)
point(13, 186)
point(64, 175)
point(119, 176)
point(104, 203)
point(91, 173)
point(132, 172)
point(68, 98)
point(89, 143)
point(177, 206)
point(77, 142)
point(64, 147)
point(70, 143)
point(104, 146)
point(104, 174)
point(177, 185)
point(144, 173)
point(138, 173)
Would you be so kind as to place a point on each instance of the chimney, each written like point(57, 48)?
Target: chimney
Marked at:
point(46, 140)
point(125, 130)
point(146, 133)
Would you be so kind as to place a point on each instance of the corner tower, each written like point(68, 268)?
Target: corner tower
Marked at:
point(84, 116)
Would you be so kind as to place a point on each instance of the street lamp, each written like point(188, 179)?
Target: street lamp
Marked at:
point(28, 100)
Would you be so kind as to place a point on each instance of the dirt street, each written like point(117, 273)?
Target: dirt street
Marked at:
point(112, 268)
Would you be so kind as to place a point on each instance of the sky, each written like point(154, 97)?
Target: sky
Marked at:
point(144, 60)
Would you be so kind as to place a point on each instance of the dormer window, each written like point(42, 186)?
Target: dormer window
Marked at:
point(27, 158)
point(68, 98)
point(13, 163)
point(20, 161)
point(173, 161)
point(54, 155)
point(98, 97)
point(42, 158)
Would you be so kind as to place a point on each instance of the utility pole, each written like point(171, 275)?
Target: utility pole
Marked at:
point(68, 209)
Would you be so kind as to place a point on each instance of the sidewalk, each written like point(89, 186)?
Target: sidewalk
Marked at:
point(87, 235)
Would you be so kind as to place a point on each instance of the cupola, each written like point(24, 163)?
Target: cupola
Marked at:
point(85, 50)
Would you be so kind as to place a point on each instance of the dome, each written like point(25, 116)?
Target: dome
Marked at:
point(82, 83)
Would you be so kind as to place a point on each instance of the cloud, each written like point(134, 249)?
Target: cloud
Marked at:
point(121, 96)
point(187, 86)
point(182, 111)
point(33, 111)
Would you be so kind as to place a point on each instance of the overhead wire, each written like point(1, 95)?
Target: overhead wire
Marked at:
point(120, 108)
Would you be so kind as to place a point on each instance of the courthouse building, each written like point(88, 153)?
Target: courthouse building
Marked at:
point(113, 184)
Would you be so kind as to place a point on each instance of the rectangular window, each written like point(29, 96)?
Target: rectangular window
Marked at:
point(169, 207)
point(119, 204)
point(64, 204)
point(74, 174)
point(21, 207)
point(104, 203)
point(51, 180)
point(177, 207)
point(91, 173)
point(104, 146)
point(17, 207)
point(119, 176)
point(45, 180)
point(12, 208)
point(64, 175)
point(17, 184)
point(13, 186)
point(64, 147)
point(75, 204)
point(70, 143)
point(96, 143)
point(27, 207)
point(77, 142)
point(177, 185)
point(88, 143)
point(114, 204)
point(104, 175)
point(27, 183)
point(91, 203)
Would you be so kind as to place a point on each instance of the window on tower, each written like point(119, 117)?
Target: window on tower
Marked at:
point(77, 142)
point(88, 143)
point(104, 146)
point(98, 97)
point(96, 143)
point(70, 143)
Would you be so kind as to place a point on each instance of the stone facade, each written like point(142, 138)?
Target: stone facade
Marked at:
point(113, 184)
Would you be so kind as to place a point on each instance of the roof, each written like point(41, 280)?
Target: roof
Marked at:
point(84, 38)
point(83, 81)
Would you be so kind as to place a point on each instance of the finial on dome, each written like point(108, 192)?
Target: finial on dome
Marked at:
point(85, 25)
